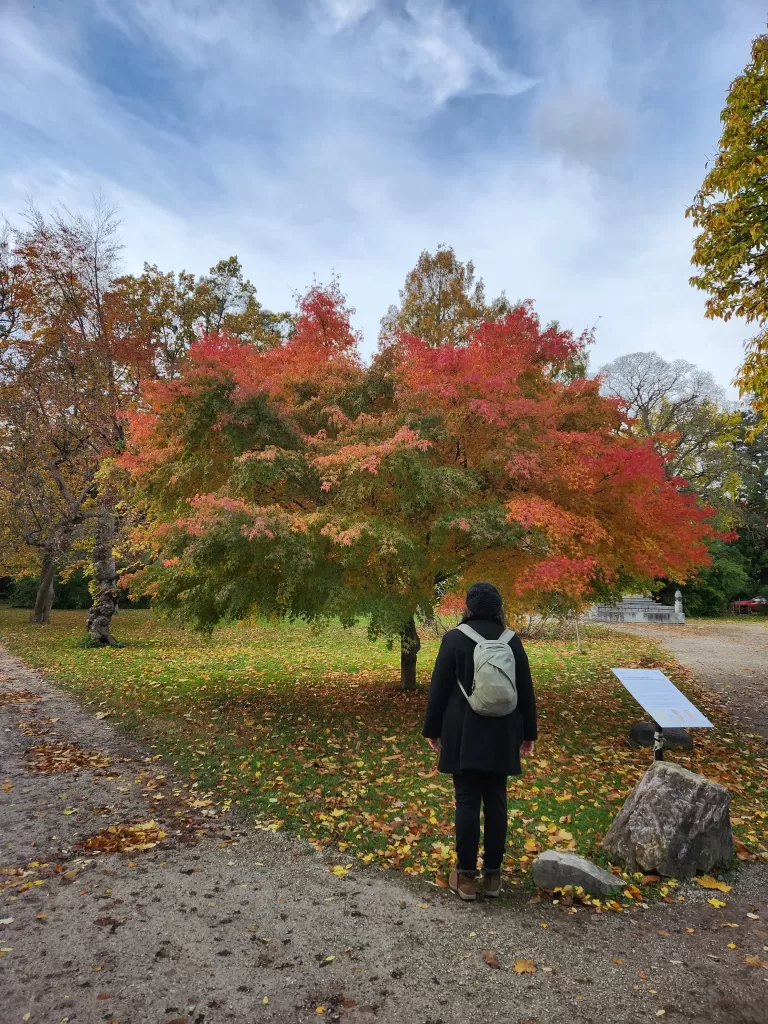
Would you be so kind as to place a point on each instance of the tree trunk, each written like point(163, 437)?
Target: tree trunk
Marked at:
point(410, 645)
point(105, 605)
point(41, 614)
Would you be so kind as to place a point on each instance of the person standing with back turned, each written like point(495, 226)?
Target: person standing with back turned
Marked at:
point(474, 684)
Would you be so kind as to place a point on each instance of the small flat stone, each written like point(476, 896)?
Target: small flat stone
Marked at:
point(559, 868)
point(641, 735)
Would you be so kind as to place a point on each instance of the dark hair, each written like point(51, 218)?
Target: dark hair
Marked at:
point(483, 601)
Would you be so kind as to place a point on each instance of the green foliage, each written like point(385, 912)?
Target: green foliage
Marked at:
point(752, 522)
point(71, 593)
point(712, 589)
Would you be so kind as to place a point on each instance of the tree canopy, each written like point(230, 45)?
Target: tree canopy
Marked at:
point(297, 481)
point(731, 211)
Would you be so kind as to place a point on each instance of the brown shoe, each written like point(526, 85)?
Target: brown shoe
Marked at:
point(492, 883)
point(463, 884)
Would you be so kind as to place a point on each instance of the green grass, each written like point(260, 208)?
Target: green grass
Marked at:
point(305, 728)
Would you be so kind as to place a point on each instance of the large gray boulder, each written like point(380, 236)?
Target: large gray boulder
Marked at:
point(674, 823)
point(558, 868)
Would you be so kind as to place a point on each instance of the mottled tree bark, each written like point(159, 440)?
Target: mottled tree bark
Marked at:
point(410, 645)
point(100, 614)
point(41, 614)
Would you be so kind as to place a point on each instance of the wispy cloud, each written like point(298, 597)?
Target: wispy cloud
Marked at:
point(556, 143)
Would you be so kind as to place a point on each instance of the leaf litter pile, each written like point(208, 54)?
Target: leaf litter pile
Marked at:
point(305, 729)
point(58, 756)
point(126, 838)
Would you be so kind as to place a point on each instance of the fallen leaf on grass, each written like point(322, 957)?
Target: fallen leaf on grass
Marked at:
point(649, 879)
point(708, 882)
point(755, 961)
point(524, 967)
point(491, 959)
point(716, 903)
point(123, 838)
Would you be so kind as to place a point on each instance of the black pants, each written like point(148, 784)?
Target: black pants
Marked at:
point(472, 790)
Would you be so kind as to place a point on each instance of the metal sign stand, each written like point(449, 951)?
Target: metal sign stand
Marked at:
point(658, 742)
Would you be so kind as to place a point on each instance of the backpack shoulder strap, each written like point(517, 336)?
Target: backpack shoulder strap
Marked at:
point(468, 631)
point(506, 636)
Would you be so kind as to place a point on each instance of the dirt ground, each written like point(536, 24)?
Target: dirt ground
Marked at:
point(728, 657)
point(225, 923)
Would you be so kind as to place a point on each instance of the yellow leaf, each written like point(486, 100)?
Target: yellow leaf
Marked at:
point(319, 1009)
point(660, 1013)
point(339, 871)
point(329, 958)
point(524, 967)
point(265, 1000)
point(716, 903)
point(731, 945)
point(708, 882)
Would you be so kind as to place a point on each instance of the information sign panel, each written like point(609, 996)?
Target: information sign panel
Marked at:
point(661, 699)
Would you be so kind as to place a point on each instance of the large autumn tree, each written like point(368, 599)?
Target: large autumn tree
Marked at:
point(297, 481)
point(731, 212)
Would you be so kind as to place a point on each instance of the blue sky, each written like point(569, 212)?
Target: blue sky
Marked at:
point(555, 143)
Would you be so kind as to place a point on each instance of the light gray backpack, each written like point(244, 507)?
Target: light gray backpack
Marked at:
point(494, 692)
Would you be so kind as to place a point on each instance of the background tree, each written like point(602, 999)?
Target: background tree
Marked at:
point(164, 313)
point(752, 544)
point(731, 211)
point(77, 343)
point(683, 410)
point(274, 486)
point(441, 302)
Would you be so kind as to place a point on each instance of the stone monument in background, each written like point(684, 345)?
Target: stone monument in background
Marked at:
point(639, 609)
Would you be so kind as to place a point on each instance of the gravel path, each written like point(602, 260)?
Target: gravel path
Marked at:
point(729, 657)
point(223, 923)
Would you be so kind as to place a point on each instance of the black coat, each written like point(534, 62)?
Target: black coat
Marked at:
point(468, 741)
